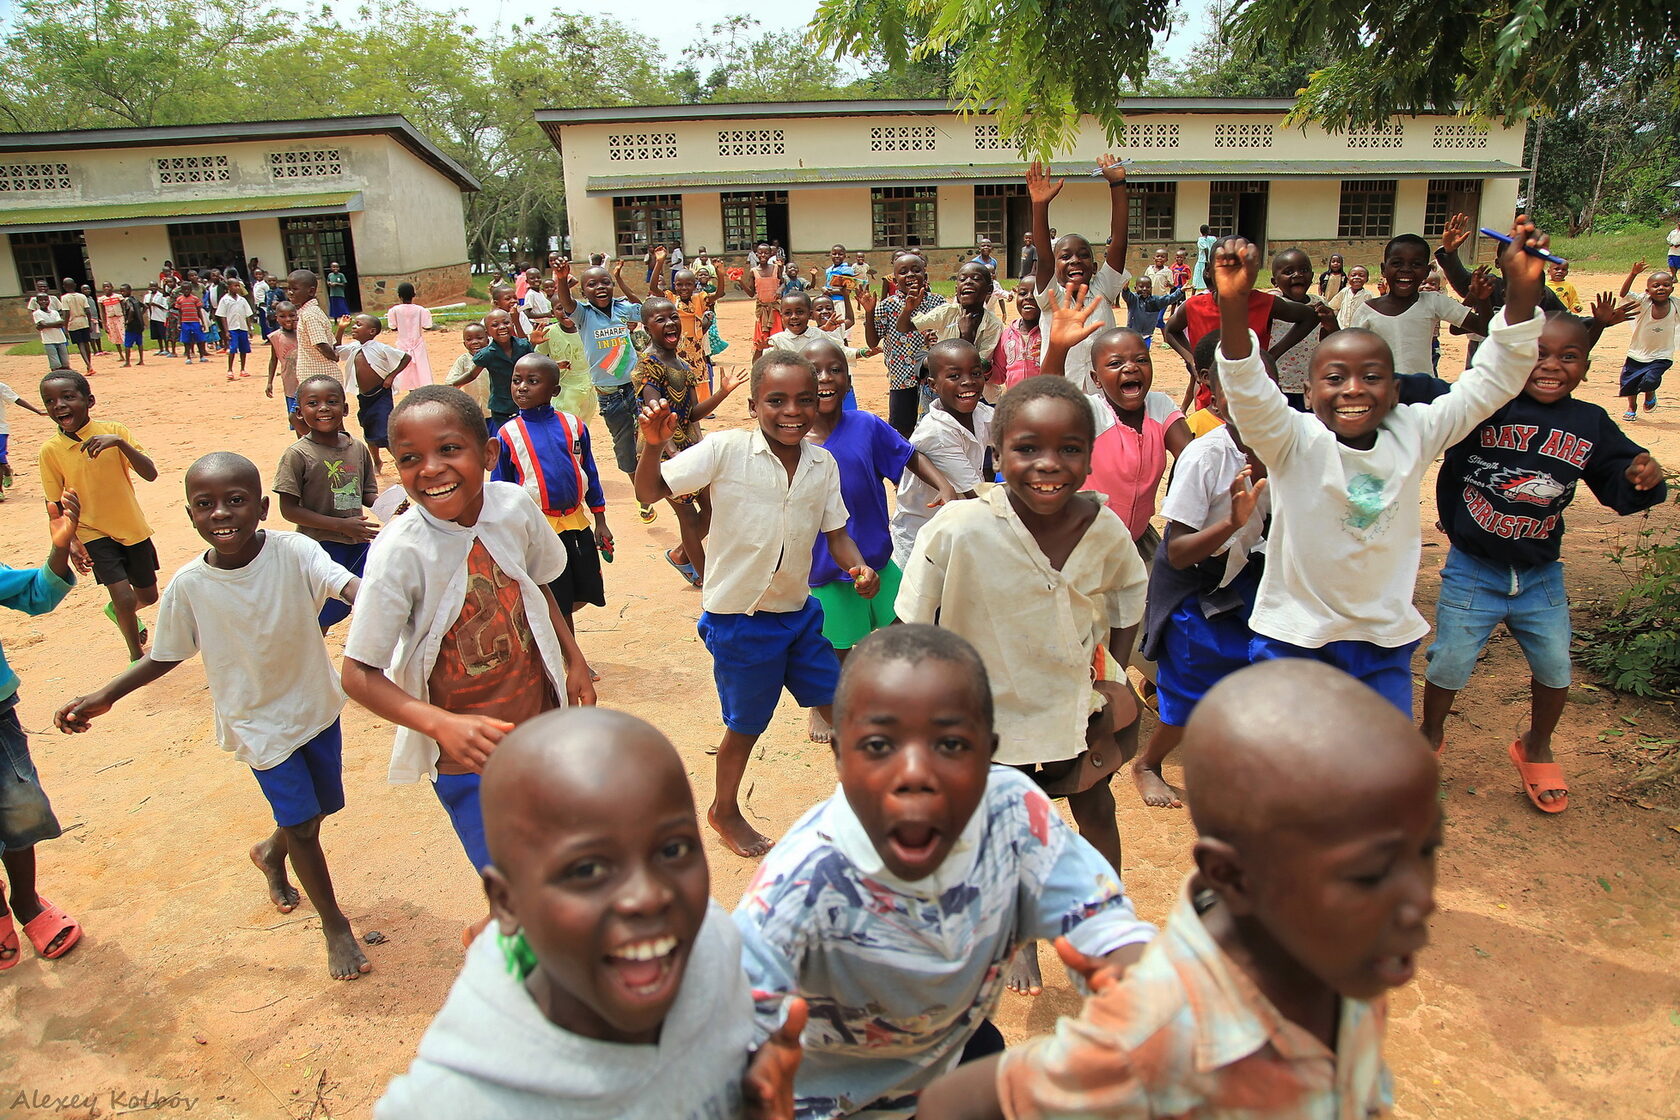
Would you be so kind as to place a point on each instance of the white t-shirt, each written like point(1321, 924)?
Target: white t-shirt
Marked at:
point(960, 456)
point(1674, 241)
point(259, 292)
point(8, 395)
point(51, 336)
point(382, 357)
point(157, 305)
point(1653, 339)
point(536, 304)
point(1108, 284)
point(1344, 548)
point(235, 311)
point(1409, 333)
point(1200, 495)
point(271, 681)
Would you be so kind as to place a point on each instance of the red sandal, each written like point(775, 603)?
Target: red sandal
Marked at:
point(9, 943)
point(1537, 777)
point(49, 924)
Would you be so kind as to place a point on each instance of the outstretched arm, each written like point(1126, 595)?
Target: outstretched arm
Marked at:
point(78, 715)
point(658, 424)
point(1456, 234)
point(563, 288)
point(1041, 189)
point(1627, 284)
point(1114, 172)
point(623, 284)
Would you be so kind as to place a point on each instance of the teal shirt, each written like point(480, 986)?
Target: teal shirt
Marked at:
point(32, 591)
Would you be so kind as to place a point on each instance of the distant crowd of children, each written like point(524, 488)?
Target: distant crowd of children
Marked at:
point(965, 650)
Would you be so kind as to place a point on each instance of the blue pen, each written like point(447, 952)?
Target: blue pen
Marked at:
point(1505, 239)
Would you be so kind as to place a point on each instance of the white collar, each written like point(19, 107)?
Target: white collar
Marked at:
point(852, 842)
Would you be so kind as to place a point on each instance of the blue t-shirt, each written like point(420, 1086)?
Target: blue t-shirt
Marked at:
point(606, 341)
point(868, 452)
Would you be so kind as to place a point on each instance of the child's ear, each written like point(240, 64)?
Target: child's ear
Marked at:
point(1221, 868)
point(492, 452)
point(496, 889)
point(262, 509)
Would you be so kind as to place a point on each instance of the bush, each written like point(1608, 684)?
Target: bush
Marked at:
point(1636, 647)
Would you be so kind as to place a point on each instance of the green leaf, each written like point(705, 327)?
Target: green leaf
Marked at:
point(1605, 883)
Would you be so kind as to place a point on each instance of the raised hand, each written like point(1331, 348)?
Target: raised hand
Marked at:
point(1480, 288)
point(1525, 272)
point(538, 335)
point(1607, 311)
point(867, 299)
point(66, 516)
point(731, 378)
point(768, 1084)
point(1072, 320)
point(1456, 233)
point(1638, 267)
point(1236, 265)
point(1040, 187)
point(563, 269)
point(1113, 170)
point(1245, 496)
point(657, 423)
point(1644, 472)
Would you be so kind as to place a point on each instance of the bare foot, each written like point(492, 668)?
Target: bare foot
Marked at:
point(344, 956)
point(1154, 788)
point(280, 889)
point(821, 732)
point(1023, 975)
point(1541, 754)
point(739, 836)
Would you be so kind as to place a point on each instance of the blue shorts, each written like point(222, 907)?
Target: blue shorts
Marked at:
point(5, 441)
point(192, 332)
point(1476, 596)
point(1674, 262)
point(134, 338)
point(754, 656)
point(291, 410)
point(1643, 377)
point(349, 556)
point(1197, 652)
point(1386, 669)
point(26, 816)
point(309, 783)
point(239, 342)
point(373, 413)
point(459, 795)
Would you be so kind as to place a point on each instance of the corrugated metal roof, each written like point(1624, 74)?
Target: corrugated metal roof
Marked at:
point(1142, 169)
point(160, 211)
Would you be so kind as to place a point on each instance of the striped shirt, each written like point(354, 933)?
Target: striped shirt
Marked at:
point(546, 452)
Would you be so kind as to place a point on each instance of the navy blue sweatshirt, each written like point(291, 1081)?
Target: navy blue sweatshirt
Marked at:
point(1502, 489)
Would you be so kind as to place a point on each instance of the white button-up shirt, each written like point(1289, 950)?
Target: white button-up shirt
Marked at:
point(758, 557)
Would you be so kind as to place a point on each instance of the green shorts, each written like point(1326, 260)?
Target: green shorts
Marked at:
point(848, 617)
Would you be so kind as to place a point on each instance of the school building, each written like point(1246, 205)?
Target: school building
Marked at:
point(879, 175)
point(371, 193)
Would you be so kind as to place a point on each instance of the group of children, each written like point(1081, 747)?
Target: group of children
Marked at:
point(863, 964)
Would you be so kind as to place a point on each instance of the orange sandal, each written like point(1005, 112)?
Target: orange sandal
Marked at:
point(49, 924)
point(9, 943)
point(1537, 777)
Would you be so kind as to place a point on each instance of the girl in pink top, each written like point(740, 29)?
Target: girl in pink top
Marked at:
point(1130, 456)
point(409, 319)
point(1016, 357)
point(110, 310)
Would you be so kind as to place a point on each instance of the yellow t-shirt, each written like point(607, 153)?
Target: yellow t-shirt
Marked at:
point(1202, 421)
point(103, 483)
point(1566, 293)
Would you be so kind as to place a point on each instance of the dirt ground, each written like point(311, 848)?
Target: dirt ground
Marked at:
point(1552, 988)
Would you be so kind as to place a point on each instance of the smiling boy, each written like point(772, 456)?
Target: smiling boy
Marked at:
point(249, 605)
point(1263, 998)
point(611, 985)
point(893, 906)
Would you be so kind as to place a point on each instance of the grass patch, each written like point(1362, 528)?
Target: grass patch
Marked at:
point(28, 350)
point(1615, 252)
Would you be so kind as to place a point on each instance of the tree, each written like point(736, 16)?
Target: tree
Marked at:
point(739, 62)
point(1040, 64)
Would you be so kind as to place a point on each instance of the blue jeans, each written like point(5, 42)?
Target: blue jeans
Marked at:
point(619, 405)
point(1477, 596)
point(58, 355)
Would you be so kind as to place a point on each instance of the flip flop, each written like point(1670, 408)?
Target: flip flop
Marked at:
point(9, 942)
point(1537, 777)
point(111, 613)
point(647, 513)
point(48, 924)
point(686, 570)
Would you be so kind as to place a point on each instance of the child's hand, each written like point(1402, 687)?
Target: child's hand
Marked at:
point(731, 378)
point(268, 391)
point(1072, 320)
point(1525, 272)
point(79, 557)
point(538, 335)
point(580, 688)
point(1245, 495)
point(93, 446)
point(658, 423)
point(78, 715)
point(1638, 267)
point(1644, 472)
point(1456, 233)
point(866, 580)
point(1236, 265)
point(867, 299)
point(869, 351)
point(66, 515)
point(345, 321)
point(660, 253)
point(603, 536)
point(1099, 973)
point(362, 527)
point(618, 266)
point(769, 1081)
point(915, 289)
point(468, 739)
point(1481, 285)
point(1113, 170)
point(1607, 312)
point(563, 269)
point(1326, 317)
point(828, 322)
point(1040, 187)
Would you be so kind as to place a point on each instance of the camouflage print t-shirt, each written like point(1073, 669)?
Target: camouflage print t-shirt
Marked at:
point(335, 481)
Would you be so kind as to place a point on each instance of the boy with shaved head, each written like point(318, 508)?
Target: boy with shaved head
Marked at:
point(610, 984)
point(249, 604)
point(1263, 996)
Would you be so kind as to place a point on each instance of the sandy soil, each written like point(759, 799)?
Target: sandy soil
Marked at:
point(1552, 988)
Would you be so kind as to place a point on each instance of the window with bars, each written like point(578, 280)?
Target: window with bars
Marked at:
point(643, 221)
point(34, 255)
point(903, 138)
point(751, 142)
point(320, 163)
point(986, 138)
point(905, 217)
point(189, 170)
point(1382, 136)
point(1223, 203)
point(1154, 211)
point(1460, 136)
point(746, 217)
point(991, 210)
point(1243, 135)
point(629, 146)
point(1447, 197)
point(1154, 134)
point(33, 178)
point(203, 245)
point(1367, 208)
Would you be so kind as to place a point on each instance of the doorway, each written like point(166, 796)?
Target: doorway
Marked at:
point(316, 242)
point(1238, 208)
point(50, 255)
point(1017, 224)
